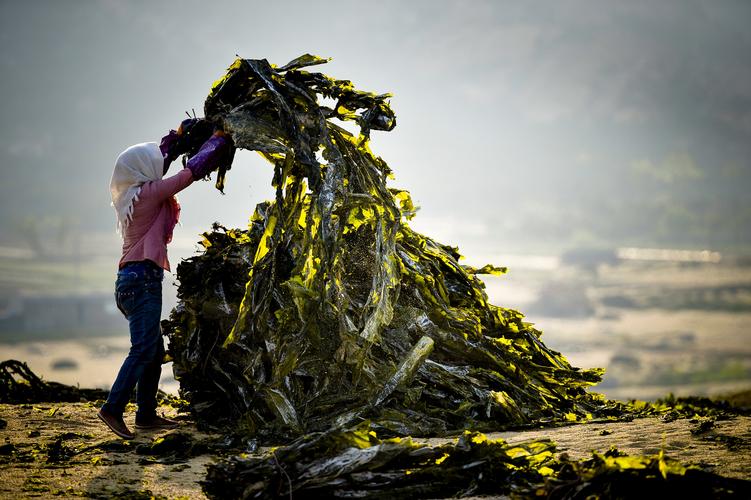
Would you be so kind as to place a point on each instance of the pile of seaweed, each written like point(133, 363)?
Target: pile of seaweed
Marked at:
point(329, 309)
point(18, 384)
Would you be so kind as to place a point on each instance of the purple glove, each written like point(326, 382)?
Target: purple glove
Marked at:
point(211, 155)
point(168, 148)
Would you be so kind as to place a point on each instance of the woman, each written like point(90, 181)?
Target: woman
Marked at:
point(147, 212)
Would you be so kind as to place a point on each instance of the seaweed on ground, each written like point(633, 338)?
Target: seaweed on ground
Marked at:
point(18, 384)
point(355, 463)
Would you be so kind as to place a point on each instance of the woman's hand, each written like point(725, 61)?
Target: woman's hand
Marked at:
point(215, 152)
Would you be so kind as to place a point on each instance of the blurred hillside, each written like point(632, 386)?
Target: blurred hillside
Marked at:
point(628, 125)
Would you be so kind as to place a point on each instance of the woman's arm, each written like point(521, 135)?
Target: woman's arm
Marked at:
point(164, 188)
point(208, 158)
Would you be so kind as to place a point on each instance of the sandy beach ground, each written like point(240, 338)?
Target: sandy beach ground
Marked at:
point(103, 466)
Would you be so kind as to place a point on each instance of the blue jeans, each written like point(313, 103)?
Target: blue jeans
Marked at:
point(138, 295)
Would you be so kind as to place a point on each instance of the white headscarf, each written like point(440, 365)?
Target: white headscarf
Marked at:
point(134, 167)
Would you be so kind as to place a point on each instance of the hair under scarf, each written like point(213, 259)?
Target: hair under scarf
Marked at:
point(137, 165)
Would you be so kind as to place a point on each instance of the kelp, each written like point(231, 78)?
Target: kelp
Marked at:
point(329, 309)
point(355, 463)
point(700, 410)
point(18, 384)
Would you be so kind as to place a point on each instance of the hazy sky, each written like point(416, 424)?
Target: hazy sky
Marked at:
point(515, 119)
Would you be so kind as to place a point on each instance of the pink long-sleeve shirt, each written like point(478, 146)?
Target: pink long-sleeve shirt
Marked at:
point(145, 238)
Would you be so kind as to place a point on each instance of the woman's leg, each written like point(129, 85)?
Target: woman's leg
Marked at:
point(148, 383)
point(138, 298)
